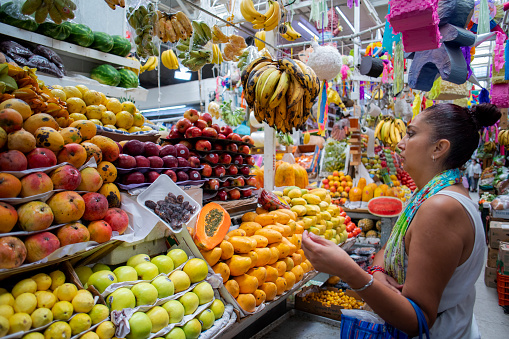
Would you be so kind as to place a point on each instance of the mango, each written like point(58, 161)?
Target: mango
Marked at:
point(313, 219)
point(295, 193)
point(320, 192)
point(325, 215)
point(299, 209)
point(322, 228)
point(312, 210)
point(288, 189)
point(298, 201)
point(329, 225)
point(312, 199)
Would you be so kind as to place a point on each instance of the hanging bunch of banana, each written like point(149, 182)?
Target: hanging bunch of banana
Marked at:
point(267, 21)
point(143, 20)
point(150, 65)
point(490, 147)
point(172, 27)
point(286, 31)
point(503, 137)
point(217, 56)
point(390, 131)
point(135, 70)
point(259, 44)
point(58, 10)
point(169, 59)
point(218, 37)
point(196, 56)
point(281, 92)
point(114, 3)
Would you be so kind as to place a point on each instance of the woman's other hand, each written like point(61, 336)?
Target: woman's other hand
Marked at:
point(388, 281)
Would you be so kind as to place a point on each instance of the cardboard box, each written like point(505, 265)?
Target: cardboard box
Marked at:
point(492, 257)
point(490, 277)
point(503, 258)
point(501, 214)
point(499, 231)
point(315, 307)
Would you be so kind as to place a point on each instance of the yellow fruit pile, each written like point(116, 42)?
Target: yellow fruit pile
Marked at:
point(329, 298)
point(44, 299)
point(339, 184)
point(85, 104)
point(262, 258)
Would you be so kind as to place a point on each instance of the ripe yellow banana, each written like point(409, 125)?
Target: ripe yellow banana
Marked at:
point(260, 35)
point(280, 92)
point(268, 88)
point(249, 12)
point(261, 83)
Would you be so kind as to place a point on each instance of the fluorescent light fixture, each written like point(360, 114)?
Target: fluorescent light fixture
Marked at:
point(345, 18)
point(182, 75)
point(162, 109)
point(307, 30)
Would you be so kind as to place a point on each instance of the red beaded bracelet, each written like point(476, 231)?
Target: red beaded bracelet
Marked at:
point(373, 269)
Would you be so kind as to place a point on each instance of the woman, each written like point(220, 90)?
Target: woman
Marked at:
point(436, 250)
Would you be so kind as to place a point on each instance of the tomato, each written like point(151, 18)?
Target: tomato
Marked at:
point(350, 228)
point(343, 214)
point(347, 219)
point(350, 235)
point(357, 231)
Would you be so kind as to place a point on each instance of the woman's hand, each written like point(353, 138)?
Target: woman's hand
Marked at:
point(388, 281)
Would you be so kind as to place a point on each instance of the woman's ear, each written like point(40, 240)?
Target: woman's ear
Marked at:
point(441, 148)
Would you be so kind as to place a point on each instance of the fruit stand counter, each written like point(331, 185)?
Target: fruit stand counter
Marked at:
point(387, 223)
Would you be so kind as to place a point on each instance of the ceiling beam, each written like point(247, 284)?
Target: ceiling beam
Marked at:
point(379, 3)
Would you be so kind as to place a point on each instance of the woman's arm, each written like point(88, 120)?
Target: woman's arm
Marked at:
point(382, 277)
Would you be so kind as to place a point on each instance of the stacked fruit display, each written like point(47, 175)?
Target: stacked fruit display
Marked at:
point(372, 164)
point(143, 162)
point(338, 184)
point(49, 307)
point(258, 261)
point(368, 229)
point(405, 179)
point(225, 155)
point(162, 291)
point(318, 215)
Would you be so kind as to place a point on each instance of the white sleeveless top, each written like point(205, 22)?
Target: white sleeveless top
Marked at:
point(458, 298)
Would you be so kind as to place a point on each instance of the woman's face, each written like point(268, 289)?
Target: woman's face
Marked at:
point(416, 148)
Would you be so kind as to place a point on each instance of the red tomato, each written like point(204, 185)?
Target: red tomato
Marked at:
point(357, 231)
point(341, 210)
point(350, 235)
point(347, 219)
point(343, 214)
point(350, 228)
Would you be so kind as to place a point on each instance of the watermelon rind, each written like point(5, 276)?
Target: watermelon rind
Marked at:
point(121, 46)
point(81, 35)
point(106, 75)
point(128, 79)
point(102, 42)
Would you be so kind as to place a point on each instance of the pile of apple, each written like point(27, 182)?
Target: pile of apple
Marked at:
point(155, 283)
point(48, 226)
point(145, 162)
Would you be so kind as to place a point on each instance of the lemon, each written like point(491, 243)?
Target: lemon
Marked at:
point(139, 119)
point(25, 303)
point(83, 301)
point(129, 107)
point(102, 107)
point(60, 330)
point(62, 310)
point(45, 299)
point(33, 335)
point(124, 119)
point(41, 317)
point(114, 105)
point(43, 281)
point(82, 88)
point(105, 330)
point(6, 311)
point(57, 87)
point(20, 322)
point(76, 105)
point(94, 112)
point(97, 122)
point(134, 129)
point(89, 335)
point(92, 97)
point(78, 116)
point(66, 292)
point(104, 99)
point(108, 118)
point(57, 279)
point(24, 286)
point(4, 326)
point(146, 129)
point(307, 137)
point(83, 272)
point(98, 313)
point(80, 323)
point(6, 298)
point(59, 94)
point(72, 92)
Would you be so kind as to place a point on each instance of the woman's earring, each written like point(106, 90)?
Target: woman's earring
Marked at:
point(433, 158)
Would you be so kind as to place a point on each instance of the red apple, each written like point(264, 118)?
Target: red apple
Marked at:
point(226, 183)
point(193, 154)
point(126, 161)
point(226, 130)
point(238, 182)
point(186, 143)
point(134, 178)
point(206, 171)
point(41, 157)
point(213, 158)
point(238, 160)
point(232, 147)
point(234, 137)
point(216, 127)
point(212, 184)
point(244, 149)
point(251, 181)
point(183, 124)
point(120, 147)
point(232, 170)
point(250, 160)
point(201, 124)
point(221, 195)
point(168, 150)
point(171, 174)
point(207, 118)
point(194, 162)
point(246, 193)
point(218, 147)
point(219, 171)
point(225, 158)
point(203, 145)
point(182, 176)
point(170, 161)
point(234, 194)
point(248, 139)
point(183, 162)
point(194, 175)
point(192, 115)
point(221, 136)
point(182, 151)
point(156, 162)
point(141, 161)
point(151, 149)
point(244, 170)
point(193, 132)
point(134, 147)
point(151, 176)
point(175, 134)
point(209, 132)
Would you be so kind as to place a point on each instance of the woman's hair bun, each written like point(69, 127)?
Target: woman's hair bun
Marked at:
point(485, 114)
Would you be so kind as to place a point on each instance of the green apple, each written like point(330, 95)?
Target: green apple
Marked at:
point(192, 329)
point(140, 325)
point(126, 273)
point(218, 308)
point(196, 269)
point(180, 280)
point(178, 256)
point(146, 271)
point(145, 293)
point(175, 310)
point(100, 267)
point(137, 259)
point(204, 292)
point(164, 286)
point(206, 318)
point(83, 272)
point(176, 333)
point(190, 301)
point(120, 299)
point(164, 263)
point(159, 318)
point(102, 279)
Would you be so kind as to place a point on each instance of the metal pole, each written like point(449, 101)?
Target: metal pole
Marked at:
point(269, 140)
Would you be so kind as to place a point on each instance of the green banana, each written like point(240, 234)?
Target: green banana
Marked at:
point(206, 29)
point(30, 6)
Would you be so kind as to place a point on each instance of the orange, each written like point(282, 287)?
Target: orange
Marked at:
point(350, 184)
point(333, 189)
point(347, 189)
point(335, 173)
point(341, 189)
point(343, 184)
point(348, 178)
